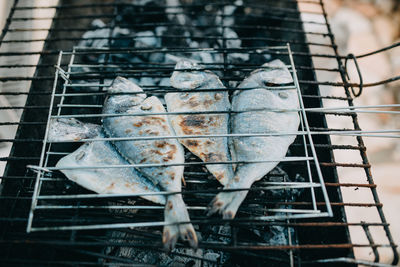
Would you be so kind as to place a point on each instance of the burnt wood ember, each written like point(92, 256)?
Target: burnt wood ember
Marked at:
point(142, 41)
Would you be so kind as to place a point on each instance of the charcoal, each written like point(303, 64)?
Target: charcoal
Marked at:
point(147, 81)
point(146, 39)
point(87, 40)
point(156, 57)
point(155, 14)
point(203, 57)
point(277, 235)
point(164, 82)
point(175, 12)
point(194, 44)
point(178, 257)
point(121, 39)
point(174, 37)
point(134, 80)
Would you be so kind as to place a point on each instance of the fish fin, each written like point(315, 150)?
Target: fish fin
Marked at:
point(175, 211)
point(188, 234)
point(232, 208)
point(220, 202)
point(170, 236)
point(227, 203)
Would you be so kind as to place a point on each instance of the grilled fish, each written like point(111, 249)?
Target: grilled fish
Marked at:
point(161, 151)
point(211, 149)
point(258, 121)
point(98, 154)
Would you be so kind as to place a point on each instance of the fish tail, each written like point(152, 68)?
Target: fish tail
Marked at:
point(175, 211)
point(220, 202)
point(231, 209)
point(228, 203)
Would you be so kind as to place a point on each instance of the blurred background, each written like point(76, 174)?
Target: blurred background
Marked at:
point(359, 26)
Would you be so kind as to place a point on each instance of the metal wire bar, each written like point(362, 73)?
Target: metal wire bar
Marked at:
point(148, 165)
point(104, 15)
point(162, 223)
point(184, 5)
point(170, 24)
point(331, 110)
point(209, 245)
point(37, 183)
point(350, 260)
point(165, 36)
point(379, 50)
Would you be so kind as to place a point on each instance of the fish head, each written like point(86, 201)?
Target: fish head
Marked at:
point(188, 75)
point(273, 74)
point(122, 85)
point(70, 129)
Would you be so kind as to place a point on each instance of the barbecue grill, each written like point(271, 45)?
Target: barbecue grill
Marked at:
point(295, 216)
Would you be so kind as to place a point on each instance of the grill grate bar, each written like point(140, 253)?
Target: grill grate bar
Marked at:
point(261, 27)
point(126, 4)
point(109, 15)
point(64, 39)
point(205, 245)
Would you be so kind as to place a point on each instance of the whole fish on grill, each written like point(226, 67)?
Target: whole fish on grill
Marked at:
point(158, 151)
point(98, 154)
point(269, 148)
point(212, 149)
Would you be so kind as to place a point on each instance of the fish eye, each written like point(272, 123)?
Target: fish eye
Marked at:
point(268, 84)
point(283, 95)
point(184, 95)
point(145, 106)
point(80, 155)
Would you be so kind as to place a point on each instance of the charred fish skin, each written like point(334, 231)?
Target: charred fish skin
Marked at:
point(161, 151)
point(207, 149)
point(272, 148)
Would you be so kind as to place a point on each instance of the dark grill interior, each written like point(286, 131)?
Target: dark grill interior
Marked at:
point(243, 241)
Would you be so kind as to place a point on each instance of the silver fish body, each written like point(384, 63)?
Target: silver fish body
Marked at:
point(161, 151)
point(269, 148)
point(100, 154)
point(211, 149)
point(95, 154)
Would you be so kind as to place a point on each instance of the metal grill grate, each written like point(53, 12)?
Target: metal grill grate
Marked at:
point(310, 241)
point(61, 97)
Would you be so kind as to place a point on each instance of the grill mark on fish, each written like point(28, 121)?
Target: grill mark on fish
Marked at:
point(191, 143)
point(197, 121)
